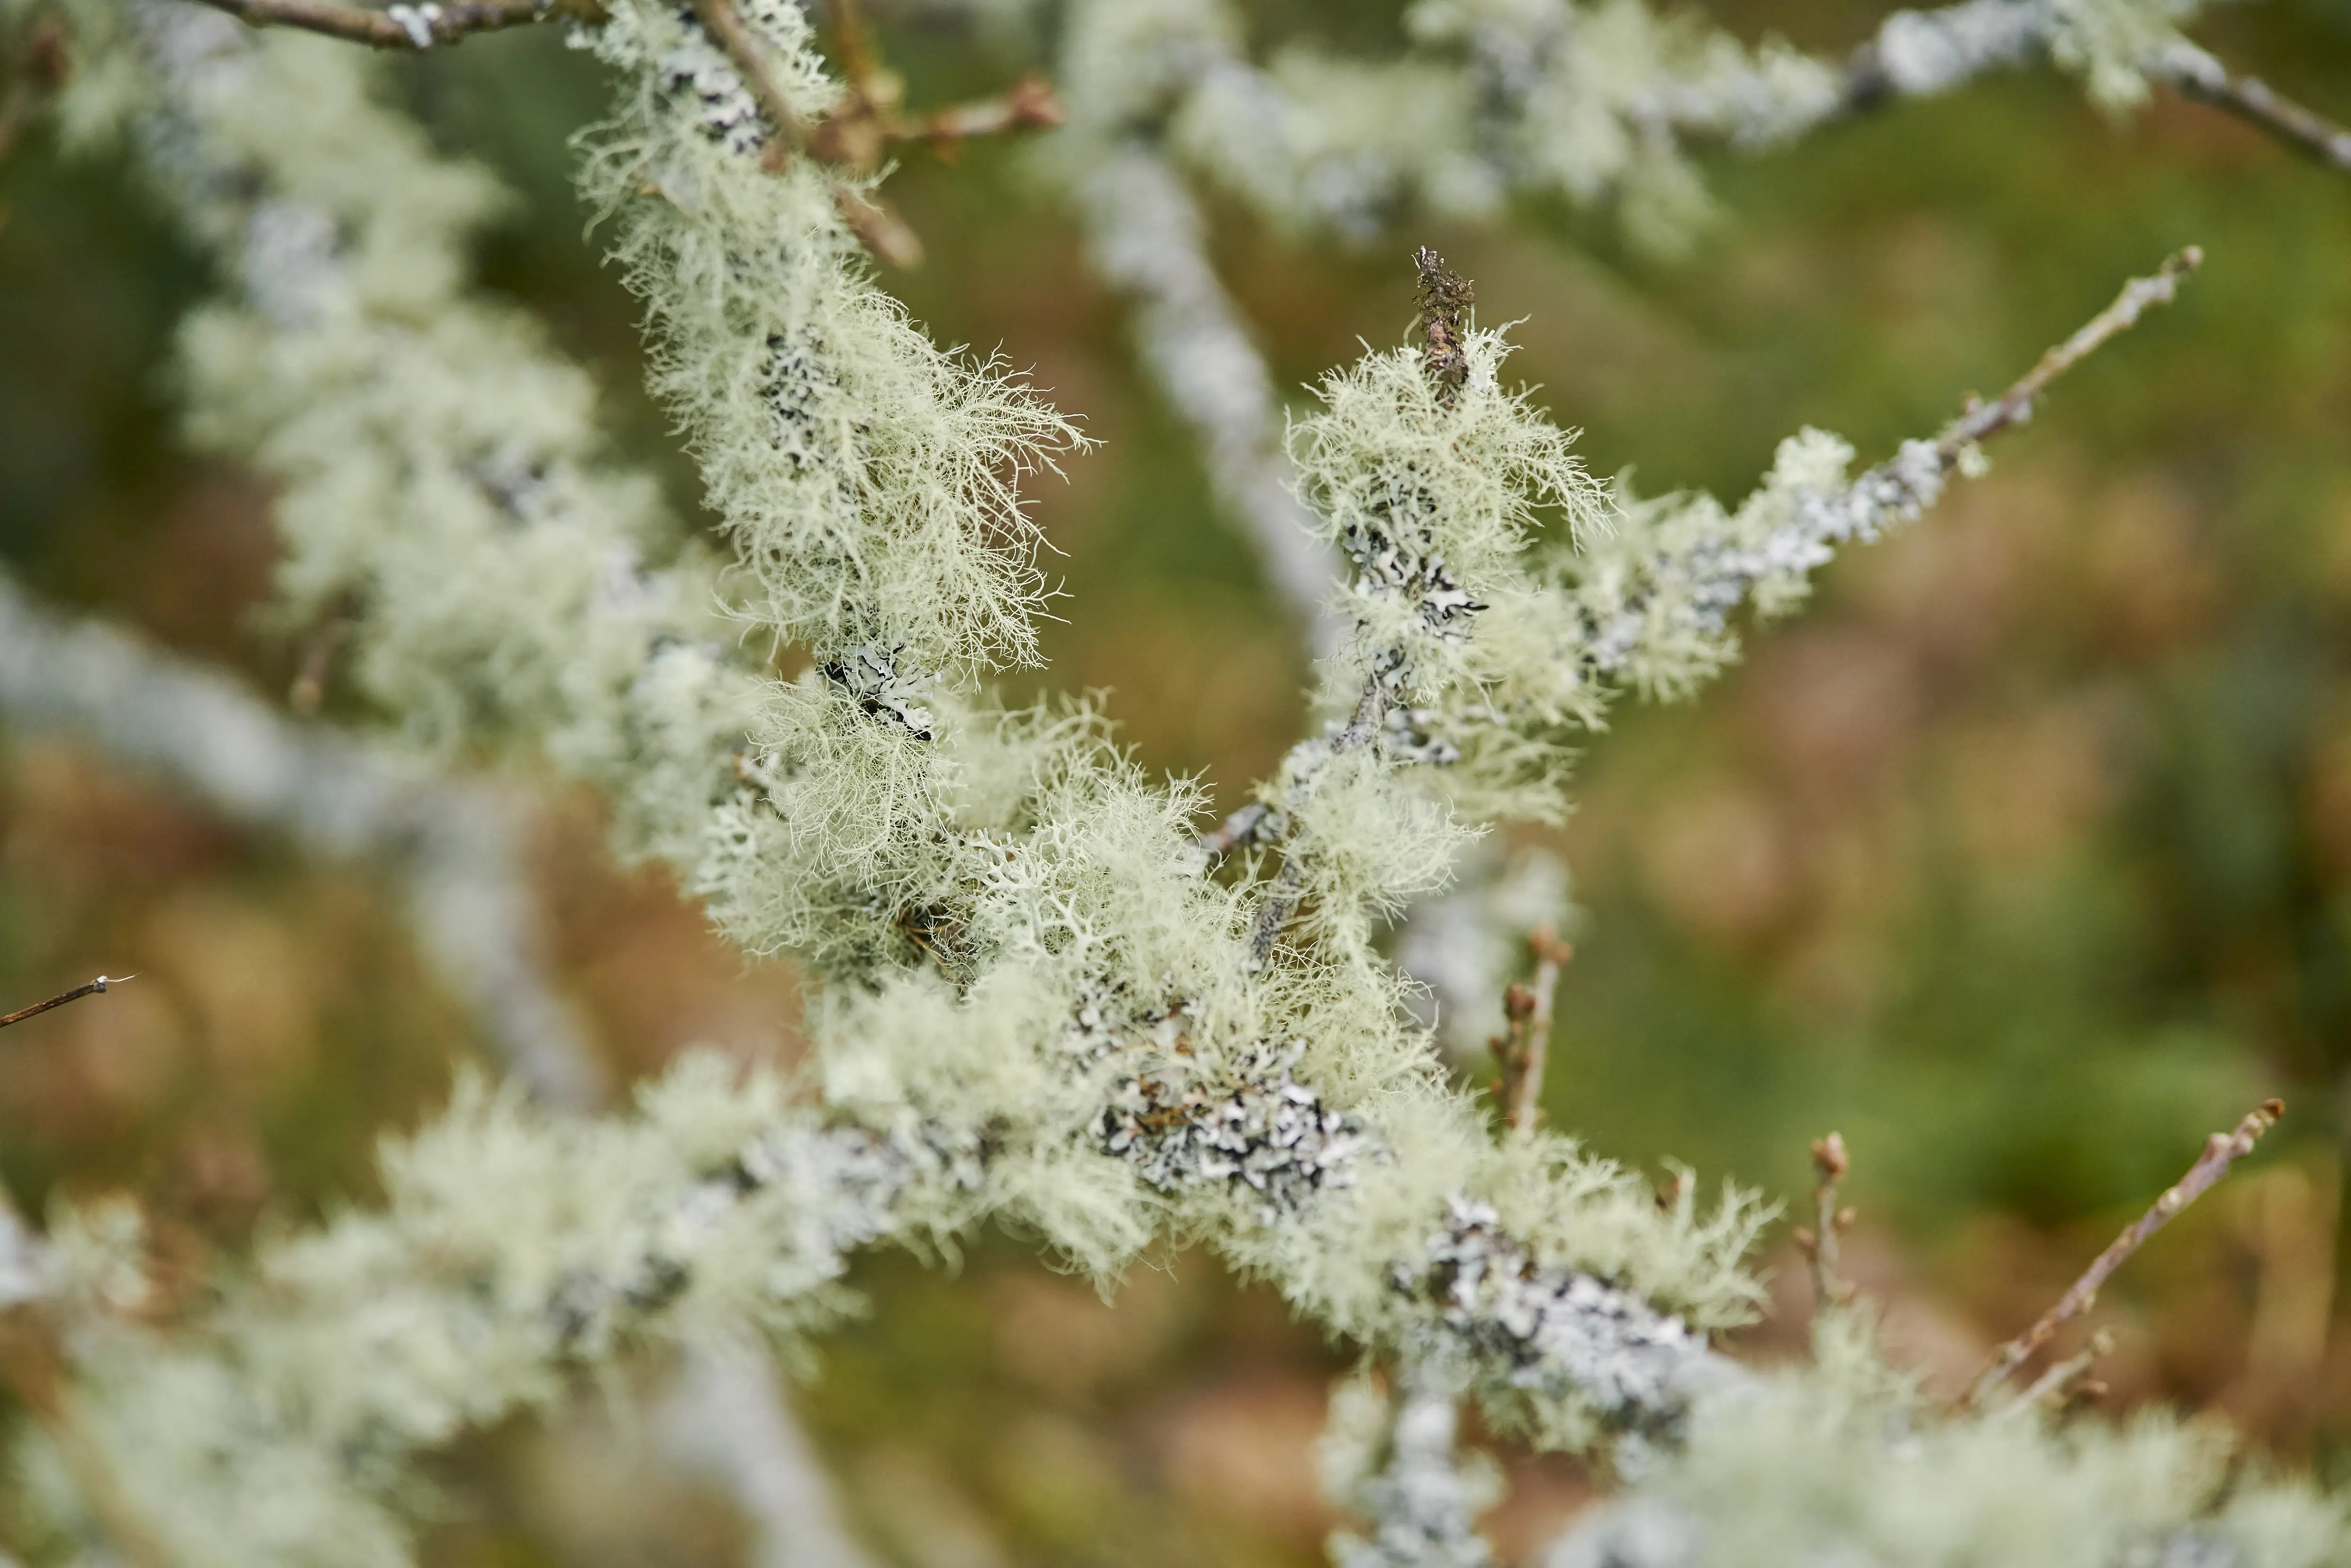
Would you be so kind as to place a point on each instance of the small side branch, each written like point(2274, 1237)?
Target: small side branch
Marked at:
point(93, 988)
point(2014, 406)
point(1524, 1046)
point(2221, 1151)
point(414, 27)
point(2197, 75)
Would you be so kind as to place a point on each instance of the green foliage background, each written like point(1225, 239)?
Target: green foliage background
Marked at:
point(2023, 857)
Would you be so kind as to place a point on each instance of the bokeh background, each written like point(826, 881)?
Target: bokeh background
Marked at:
point(2023, 857)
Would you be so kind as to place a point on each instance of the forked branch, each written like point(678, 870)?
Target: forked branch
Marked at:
point(2221, 1151)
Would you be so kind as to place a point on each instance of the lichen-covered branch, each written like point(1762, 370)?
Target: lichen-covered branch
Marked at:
point(1030, 1001)
point(1593, 99)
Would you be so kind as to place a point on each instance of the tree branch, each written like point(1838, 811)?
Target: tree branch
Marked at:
point(2197, 75)
point(404, 26)
point(2221, 1151)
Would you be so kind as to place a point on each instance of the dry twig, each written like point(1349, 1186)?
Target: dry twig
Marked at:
point(1525, 1044)
point(404, 26)
point(2221, 1151)
point(878, 227)
point(1819, 1245)
point(62, 998)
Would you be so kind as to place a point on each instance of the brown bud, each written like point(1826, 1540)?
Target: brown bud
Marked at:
point(1806, 1242)
point(1845, 1218)
point(1829, 1158)
point(1518, 1004)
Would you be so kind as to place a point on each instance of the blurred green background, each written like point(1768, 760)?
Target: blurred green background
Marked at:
point(2023, 856)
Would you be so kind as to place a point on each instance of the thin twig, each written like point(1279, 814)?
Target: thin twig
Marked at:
point(726, 25)
point(2221, 1151)
point(1524, 1047)
point(2199, 76)
point(1147, 238)
point(62, 998)
point(2014, 406)
point(1818, 1246)
point(418, 27)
